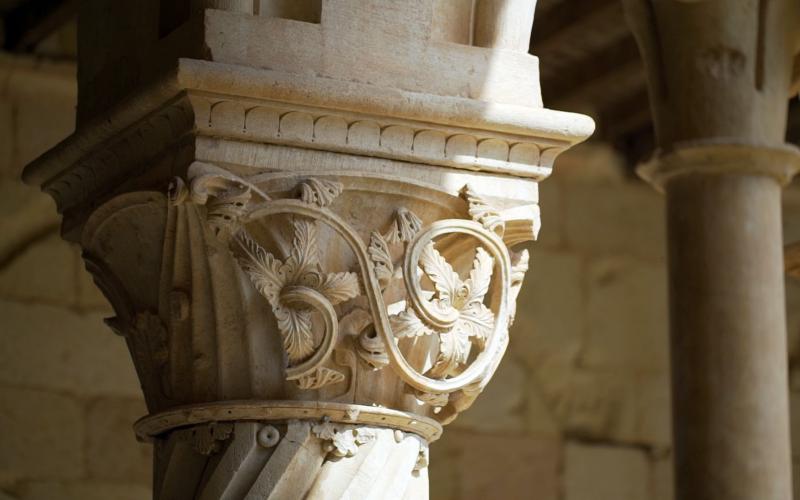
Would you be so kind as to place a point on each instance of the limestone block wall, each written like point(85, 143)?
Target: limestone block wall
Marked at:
point(579, 409)
point(68, 392)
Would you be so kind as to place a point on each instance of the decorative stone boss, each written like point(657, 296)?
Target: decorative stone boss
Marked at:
point(312, 273)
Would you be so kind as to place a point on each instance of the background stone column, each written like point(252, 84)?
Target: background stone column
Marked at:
point(305, 224)
point(719, 81)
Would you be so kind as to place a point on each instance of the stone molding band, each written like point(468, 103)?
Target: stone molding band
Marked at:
point(151, 426)
point(555, 130)
point(722, 157)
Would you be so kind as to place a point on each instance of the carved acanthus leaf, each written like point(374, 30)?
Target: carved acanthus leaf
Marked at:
point(320, 191)
point(519, 267)
point(302, 266)
point(405, 226)
point(208, 439)
point(437, 400)
point(320, 378)
point(381, 259)
point(454, 348)
point(482, 212)
point(295, 327)
point(343, 440)
point(408, 324)
point(339, 287)
point(480, 276)
point(476, 321)
point(265, 271)
point(445, 280)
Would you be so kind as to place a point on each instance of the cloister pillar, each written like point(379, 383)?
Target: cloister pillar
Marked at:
point(719, 78)
point(303, 213)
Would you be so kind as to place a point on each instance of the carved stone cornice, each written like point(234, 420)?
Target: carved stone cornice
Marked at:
point(308, 112)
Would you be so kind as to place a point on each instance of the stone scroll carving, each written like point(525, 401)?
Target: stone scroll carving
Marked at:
point(467, 314)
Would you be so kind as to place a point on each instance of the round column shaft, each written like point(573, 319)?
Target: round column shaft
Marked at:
point(728, 338)
point(719, 85)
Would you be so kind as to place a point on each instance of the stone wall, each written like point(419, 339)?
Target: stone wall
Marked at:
point(578, 411)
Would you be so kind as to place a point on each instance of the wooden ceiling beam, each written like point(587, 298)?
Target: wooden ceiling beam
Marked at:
point(33, 21)
point(598, 73)
point(565, 23)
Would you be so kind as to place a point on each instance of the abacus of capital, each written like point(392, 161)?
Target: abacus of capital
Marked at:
point(303, 214)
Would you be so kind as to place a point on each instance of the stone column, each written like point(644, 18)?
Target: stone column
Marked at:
point(719, 80)
point(304, 217)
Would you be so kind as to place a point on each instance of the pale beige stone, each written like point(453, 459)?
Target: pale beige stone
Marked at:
point(598, 405)
point(33, 421)
point(626, 314)
point(540, 414)
point(111, 453)
point(593, 162)
point(304, 228)
point(44, 346)
point(509, 466)
point(501, 407)
point(594, 472)
point(549, 322)
point(552, 232)
point(615, 219)
point(497, 466)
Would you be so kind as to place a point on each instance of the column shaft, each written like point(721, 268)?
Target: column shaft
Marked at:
point(728, 335)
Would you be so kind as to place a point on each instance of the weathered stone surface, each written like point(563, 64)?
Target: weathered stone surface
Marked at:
point(654, 411)
point(598, 405)
point(551, 234)
point(615, 406)
point(663, 479)
point(37, 95)
point(25, 214)
point(85, 491)
point(591, 162)
point(89, 296)
point(540, 414)
point(549, 321)
point(6, 137)
point(45, 272)
point(501, 407)
point(44, 346)
point(112, 453)
point(42, 436)
point(509, 466)
point(615, 219)
point(626, 317)
point(607, 472)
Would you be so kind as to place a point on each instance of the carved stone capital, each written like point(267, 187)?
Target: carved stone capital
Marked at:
point(310, 250)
